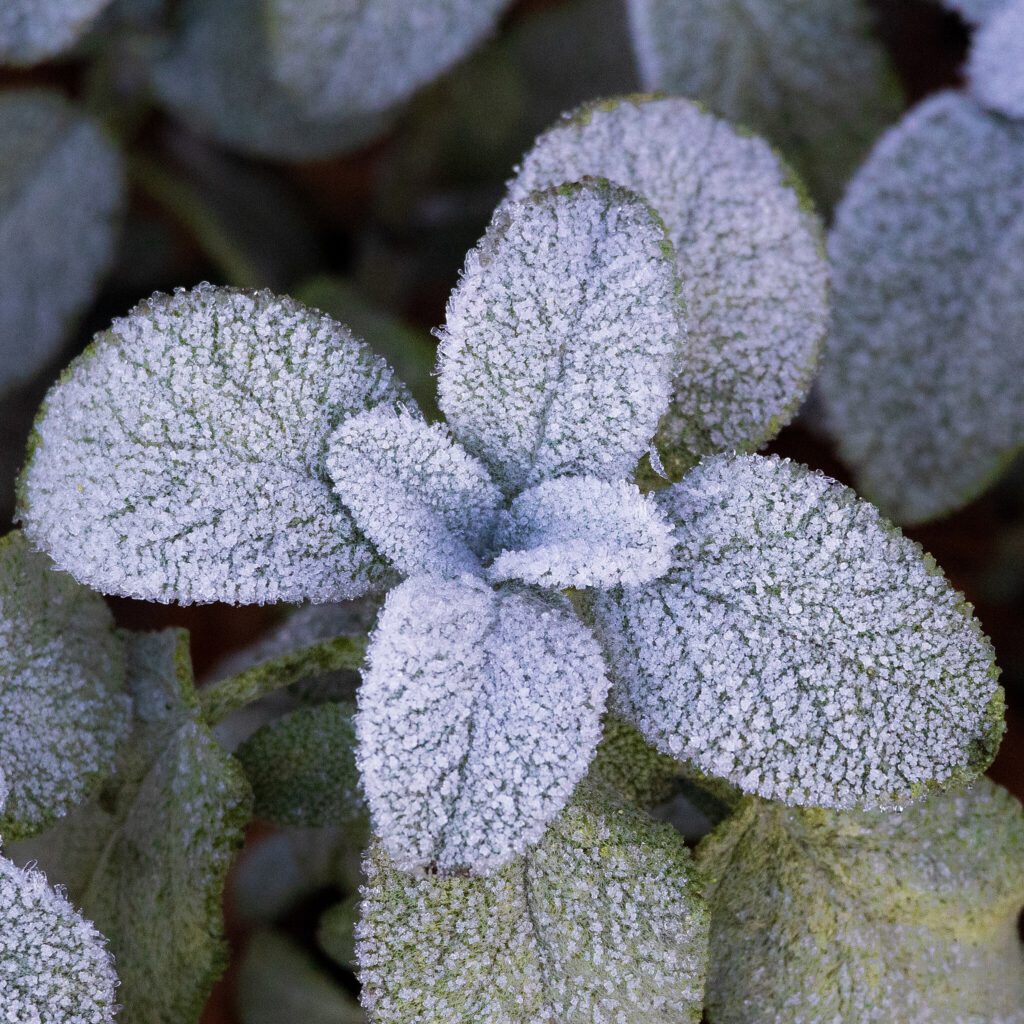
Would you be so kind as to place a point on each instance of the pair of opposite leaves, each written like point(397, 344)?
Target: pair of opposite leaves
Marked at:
point(184, 458)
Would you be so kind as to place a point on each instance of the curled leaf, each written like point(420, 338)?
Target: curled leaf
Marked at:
point(35, 30)
point(997, 59)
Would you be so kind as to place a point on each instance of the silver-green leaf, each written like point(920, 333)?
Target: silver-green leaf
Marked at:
point(35, 30)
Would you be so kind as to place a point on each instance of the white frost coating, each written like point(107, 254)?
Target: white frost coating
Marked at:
point(180, 459)
point(995, 68)
point(62, 707)
point(54, 965)
point(923, 385)
point(61, 192)
point(34, 30)
point(601, 923)
point(425, 503)
point(749, 257)
point(801, 647)
point(562, 335)
point(478, 714)
point(344, 57)
point(582, 532)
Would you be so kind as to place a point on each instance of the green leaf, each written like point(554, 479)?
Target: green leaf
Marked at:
point(62, 703)
point(336, 934)
point(147, 862)
point(640, 773)
point(868, 918)
point(32, 31)
point(190, 437)
point(600, 923)
point(61, 194)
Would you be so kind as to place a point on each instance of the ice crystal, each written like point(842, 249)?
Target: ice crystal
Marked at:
point(35, 30)
point(54, 965)
point(180, 458)
point(800, 647)
point(923, 381)
point(62, 708)
point(996, 65)
point(561, 336)
point(873, 917)
point(750, 265)
point(582, 532)
point(600, 923)
point(478, 714)
point(413, 491)
point(61, 190)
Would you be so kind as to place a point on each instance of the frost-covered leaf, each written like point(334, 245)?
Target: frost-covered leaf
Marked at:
point(35, 30)
point(54, 965)
point(976, 12)
point(640, 773)
point(601, 923)
point(749, 257)
point(180, 458)
point(868, 918)
point(478, 714)
point(562, 335)
point(61, 192)
point(996, 65)
point(423, 501)
point(801, 647)
point(582, 532)
point(362, 57)
point(923, 380)
point(809, 77)
point(62, 703)
point(148, 860)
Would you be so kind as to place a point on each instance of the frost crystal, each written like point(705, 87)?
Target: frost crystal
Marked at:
point(34, 30)
point(180, 459)
point(478, 714)
point(413, 491)
point(923, 381)
point(562, 335)
point(996, 65)
point(868, 918)
point(61, 190)
point(62, 711)
point(600, 923)
point(800, 647)
point(748, 253)
point(582, 532)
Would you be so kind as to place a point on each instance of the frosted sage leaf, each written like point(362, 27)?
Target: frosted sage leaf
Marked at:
point(600, 923)
point(360, 57)
point(61, 191)
point(62, 705)
point(808, 77)
point(148, 861)
point(478, 714)
point(421, 499)
point(867, 918)
point(996, 65)
point(179, 459)
point(801, 647)
point(749, 258)
point(582, 532)
point(35, 30)
point(54, 965)
point(923, 382)
point(561, 336)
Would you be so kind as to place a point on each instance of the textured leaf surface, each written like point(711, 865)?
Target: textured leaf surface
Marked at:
point(61, 191)
point(359, 57)
point(34, 30)
point(561, 336)
point(865, 918)
point(809, 77)
point(749, 259)
point(801, 647)
point(478, 714)
point(923, 380)
point(147, 862)
point(62, 705)
point(996, 65)
point(423, 501)
point(640, 773)
point(54, 965)
point(179, 459)
point(600, 923)
point(582, 532)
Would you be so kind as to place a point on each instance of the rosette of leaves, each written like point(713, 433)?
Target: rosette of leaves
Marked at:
point(35, 30)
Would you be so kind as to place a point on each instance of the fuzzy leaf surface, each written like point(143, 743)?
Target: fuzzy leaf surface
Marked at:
point(996, 60)
point(35, 30)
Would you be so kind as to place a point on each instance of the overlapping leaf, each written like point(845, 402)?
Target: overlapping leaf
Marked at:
point(748, 253)
point(35, 30)
point(997, 59)
point(800, 647)
point(179, 459)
